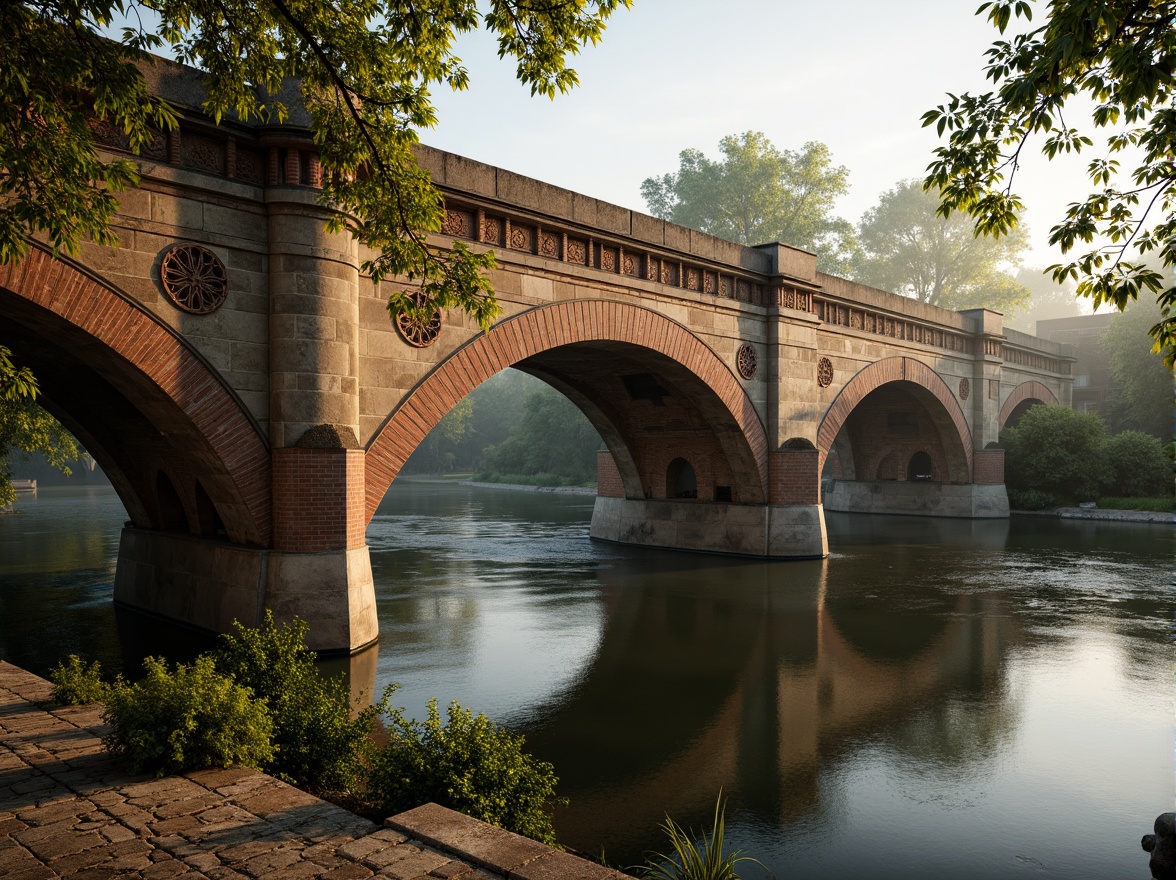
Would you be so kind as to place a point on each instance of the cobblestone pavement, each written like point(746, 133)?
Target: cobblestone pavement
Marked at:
point(67, 810)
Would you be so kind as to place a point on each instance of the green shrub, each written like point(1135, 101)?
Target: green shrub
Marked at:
point(1033, 499)
point(75, 683)
point(470, 765)
point(318, 745)
point(1161, 504)
point(1137, 465)
point(189, 719)
point(1054, 449)
point(704, 860)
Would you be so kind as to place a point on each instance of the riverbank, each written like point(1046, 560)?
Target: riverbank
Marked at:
point(1094, 513)
point(66, 809)
point(522, 487)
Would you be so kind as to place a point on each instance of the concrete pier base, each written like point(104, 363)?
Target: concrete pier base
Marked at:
point(209, 584)
point(779, 531)
point(912, 498)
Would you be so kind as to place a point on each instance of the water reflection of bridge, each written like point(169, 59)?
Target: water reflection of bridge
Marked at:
point(695, 689)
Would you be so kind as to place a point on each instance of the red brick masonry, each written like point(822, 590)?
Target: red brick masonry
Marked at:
point(318, 499)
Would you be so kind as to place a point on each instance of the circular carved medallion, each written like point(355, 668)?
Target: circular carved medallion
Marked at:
point(746, 361)
point(416, 332)
point(194, 278)
point(824, 372)
point(454, 224)
point(965, 389)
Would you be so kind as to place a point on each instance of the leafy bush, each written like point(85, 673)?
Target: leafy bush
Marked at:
point(1160, 504)
point(1033, 499)
point(75, 683)
point(1137, 465)
point(189, 719)
point(703, 860)
point(470, 765)
point(318, 745)
point(1054, 449)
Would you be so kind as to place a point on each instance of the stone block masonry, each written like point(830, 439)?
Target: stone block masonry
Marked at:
point(67, 810)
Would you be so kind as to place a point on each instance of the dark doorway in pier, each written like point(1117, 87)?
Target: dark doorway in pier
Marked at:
point(171, 509)
point(920, 467)
point(680, 480)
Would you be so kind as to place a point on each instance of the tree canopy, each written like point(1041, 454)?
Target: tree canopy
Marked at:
point(1118, 56)
point(1047, 300)
point(907, 247)
point(1142, 387)
point(758, 194)
point(365, 66)
point(512, 426)
point(26, 427)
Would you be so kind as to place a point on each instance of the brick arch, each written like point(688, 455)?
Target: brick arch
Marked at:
point(152, 372)
point(541, 329)
point(1025, 391)
point(885, 371)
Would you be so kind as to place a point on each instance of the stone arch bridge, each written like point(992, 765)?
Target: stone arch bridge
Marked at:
point(251, 400)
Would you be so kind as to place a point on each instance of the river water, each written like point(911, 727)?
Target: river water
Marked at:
point(938, 698)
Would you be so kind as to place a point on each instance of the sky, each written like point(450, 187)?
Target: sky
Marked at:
point(676, 74)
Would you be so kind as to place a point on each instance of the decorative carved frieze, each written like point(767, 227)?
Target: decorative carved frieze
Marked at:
point(492, 230)
point(456, 223)
point(870, 321)
point(249, 165)
point(202, 153)
point(1033, 360)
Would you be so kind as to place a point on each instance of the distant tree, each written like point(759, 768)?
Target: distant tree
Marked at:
point(1117, 60)
point(499, 403)
point(906, 247)
point(1056, 450)
point(483, 419)
point(1142, 386)
point(1137, 466)
point(553, 438)
point(436, 454)
point(366, 68)
point(26, 427)
point(1047, 300)
point(758, 194)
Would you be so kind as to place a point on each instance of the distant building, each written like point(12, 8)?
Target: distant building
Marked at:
point(1092, 376)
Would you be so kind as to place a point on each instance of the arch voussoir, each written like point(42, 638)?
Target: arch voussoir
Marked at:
point(155, 369)
point(883, 372)
point(520, 336)
point(1031, 390)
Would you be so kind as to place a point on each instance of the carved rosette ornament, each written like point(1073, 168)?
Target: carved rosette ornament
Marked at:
point(418, 333)
point(746, 361)
point(454, 224)
point(824, 372)
point(965, 389)
point(194, 278)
